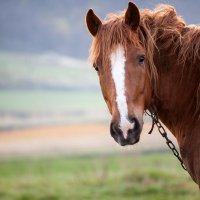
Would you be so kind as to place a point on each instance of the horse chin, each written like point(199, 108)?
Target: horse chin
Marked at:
point(129, 141)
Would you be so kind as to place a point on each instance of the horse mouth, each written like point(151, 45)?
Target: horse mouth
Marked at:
point(128, 142)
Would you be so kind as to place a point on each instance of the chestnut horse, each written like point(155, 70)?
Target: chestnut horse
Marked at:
point(144, 58)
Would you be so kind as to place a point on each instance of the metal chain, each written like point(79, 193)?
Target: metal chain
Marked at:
point(162, 131)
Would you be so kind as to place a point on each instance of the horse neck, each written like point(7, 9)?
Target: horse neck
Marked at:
point(176, 102)
point(176, 95)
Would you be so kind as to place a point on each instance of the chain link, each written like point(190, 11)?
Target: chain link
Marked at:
point(162, 131)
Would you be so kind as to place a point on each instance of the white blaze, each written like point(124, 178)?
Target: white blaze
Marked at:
point(118, 74)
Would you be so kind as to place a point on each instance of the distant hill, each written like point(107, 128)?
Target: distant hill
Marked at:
point(35, 26)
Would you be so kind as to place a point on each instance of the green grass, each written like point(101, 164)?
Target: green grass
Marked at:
point(122, 177)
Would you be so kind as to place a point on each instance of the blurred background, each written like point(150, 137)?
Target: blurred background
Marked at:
point(54, 124)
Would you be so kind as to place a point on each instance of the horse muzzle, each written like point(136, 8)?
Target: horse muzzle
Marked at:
point(127, 137)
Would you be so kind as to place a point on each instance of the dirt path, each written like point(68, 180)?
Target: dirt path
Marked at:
point(78, 138)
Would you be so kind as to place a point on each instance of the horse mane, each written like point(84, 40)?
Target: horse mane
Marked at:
point(161, 24)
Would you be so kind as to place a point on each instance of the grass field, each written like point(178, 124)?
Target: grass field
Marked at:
point(102, 177)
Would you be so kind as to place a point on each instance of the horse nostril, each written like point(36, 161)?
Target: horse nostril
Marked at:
point(114, 130)
point(136, 123)
point(116, 133)
point(131, 119)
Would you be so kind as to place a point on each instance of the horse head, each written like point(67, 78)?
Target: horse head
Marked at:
point(118, 56)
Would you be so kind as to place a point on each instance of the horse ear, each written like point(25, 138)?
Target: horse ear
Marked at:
point(93, 22)
point(132, 16)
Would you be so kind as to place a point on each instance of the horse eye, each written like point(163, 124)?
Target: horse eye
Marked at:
point(96, 67)
point(141, 59)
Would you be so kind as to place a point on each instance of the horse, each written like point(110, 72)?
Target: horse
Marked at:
point(147, 58)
